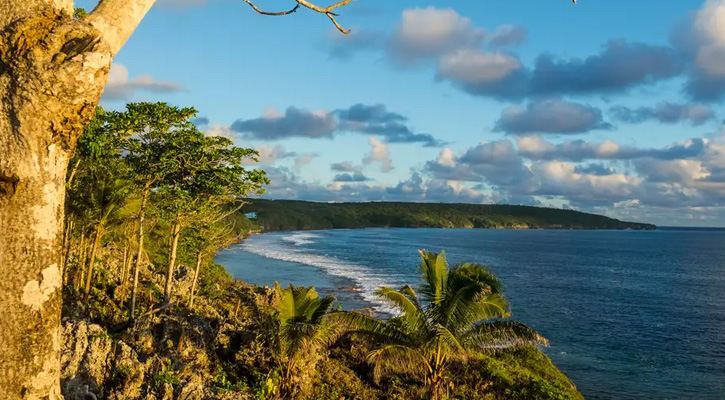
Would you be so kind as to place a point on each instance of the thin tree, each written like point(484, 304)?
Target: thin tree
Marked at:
point(210, 174)
point(153, 152)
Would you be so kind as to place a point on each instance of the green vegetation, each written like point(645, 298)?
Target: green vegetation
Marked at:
point(148, 176)
point(146, 182)
point(442, 326)
point(288, 215)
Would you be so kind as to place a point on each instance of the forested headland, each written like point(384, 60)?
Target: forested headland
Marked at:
point(289, 215)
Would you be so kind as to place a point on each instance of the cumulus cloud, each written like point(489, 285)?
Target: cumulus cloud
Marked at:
point(215, 129)
point(351, 177)
point(551, 116)
point(477, 69)
point(377, 120)
point(620, 66)
point(424, 33)
point(285, 184)
point(598, 177)
point(295, 122)
point(121, 87)
point(270, 154)
point(379, 153)
point(360, 118)
point(304, 159)
point(345, 166)
point(702, 39)
point(623, 181)
point(509, 35)
point(536, 148)
point(668, 113)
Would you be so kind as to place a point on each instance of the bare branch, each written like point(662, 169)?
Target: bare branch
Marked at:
point(324, 10)
point(117, 19)
point(328, 11)
point(304, 3)
point(339, 28)
point(272, 13)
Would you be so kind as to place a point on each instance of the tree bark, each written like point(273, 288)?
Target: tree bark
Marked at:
point(52, 73)
point(124, 267)
point(139, 253)
point(77, 278)
point(66, 250)
point(199, 258)
point(175, 234)
point(92, 261)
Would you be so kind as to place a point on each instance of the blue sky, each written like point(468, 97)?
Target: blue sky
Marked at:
point(610, 107)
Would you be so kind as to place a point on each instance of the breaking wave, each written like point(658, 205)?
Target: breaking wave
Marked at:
point(364, 277)
point(301, 239)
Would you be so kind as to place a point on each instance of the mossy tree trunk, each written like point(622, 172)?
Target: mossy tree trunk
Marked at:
point(52, 73)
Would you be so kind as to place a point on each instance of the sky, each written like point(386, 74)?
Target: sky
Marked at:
point(613, 107)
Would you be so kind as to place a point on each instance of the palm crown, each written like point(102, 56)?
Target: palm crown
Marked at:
point(447, 320)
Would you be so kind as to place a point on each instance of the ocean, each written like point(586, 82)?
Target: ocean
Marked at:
point(629, 314)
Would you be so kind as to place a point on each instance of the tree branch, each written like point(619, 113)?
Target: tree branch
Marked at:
point(117, 19)
point(304, 3)
point(272, 13)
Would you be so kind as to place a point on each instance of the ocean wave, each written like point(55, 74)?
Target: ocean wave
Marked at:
point(363, 277)
point(301, 239)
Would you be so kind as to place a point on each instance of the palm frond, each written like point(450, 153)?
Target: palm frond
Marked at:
point(464, 312)
point(412, 313)
point(464, 274)
point(501, 334)
point(398, 359)
point(452, 346)
point(434, 270)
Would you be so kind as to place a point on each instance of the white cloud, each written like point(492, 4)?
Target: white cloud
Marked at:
point(304, 159)
point(379, 153)
point(475, 67)
point(121, 87)
point(430, 32)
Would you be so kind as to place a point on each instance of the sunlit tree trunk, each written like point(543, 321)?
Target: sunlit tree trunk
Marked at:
point(124, 266)
point(52, 72)
point(199, 258)
point(175, 234)
point(92, 261)
point(66, 250)
point(139, 243)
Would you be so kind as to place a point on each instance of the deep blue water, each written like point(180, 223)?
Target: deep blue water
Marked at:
point(629, 314)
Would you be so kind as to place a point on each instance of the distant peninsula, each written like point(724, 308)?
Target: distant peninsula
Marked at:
point(293, 215)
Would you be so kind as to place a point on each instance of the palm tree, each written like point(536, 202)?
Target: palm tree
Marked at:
point(105, 200)
point(447, 322)
point(306, 330)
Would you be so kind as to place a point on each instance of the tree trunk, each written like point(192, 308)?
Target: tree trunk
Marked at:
point(139, 253)
point(66, 250)
point(175, 234)
point(124, 267)
point(199, 258)
point(52, 73)
point(92, 261)
point(77, 278)
point(46, 100)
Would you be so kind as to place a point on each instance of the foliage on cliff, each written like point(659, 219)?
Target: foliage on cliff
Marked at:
point(287, 215)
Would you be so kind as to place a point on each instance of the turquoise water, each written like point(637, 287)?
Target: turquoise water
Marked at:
point(629, 314)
